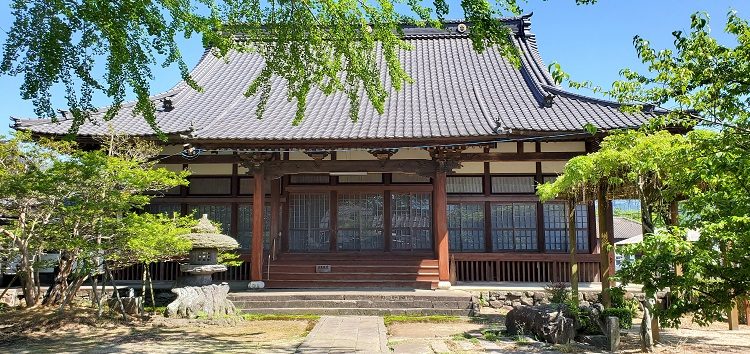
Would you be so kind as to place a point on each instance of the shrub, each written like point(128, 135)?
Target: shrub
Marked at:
point(625, 315)
point(558, 292)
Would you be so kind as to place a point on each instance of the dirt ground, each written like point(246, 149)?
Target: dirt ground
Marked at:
point(77, 334)
point(466, 337)
point(44, 331)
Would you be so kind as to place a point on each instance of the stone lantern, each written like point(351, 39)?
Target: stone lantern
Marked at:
point(195, 293)
point(203, 262)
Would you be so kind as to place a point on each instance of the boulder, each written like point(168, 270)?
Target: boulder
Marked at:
point(547, 322)
point(208, 300)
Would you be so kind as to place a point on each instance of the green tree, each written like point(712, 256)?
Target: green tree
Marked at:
point(30, 197)
point(332, 46)
point(705, 83)
point(80, 203)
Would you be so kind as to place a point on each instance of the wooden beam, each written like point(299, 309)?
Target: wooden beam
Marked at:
point(256, 260)
point(440, 214)
point(469, 157)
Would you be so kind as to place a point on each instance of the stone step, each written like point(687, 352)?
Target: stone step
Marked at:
point(360, 311)
point(415, 303)
point(365, 294)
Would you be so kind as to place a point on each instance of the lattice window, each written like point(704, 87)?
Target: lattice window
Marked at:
point(221, 213)
point(466, 227)
point(512, 184)
point(464, 184)
point(408, 178)
point(368, 178)
point(360, 221)
point(245, 226)
point(210, 186)
point(556, 227)
point(167, 208)
point(309, 222)
point(411, 221)
point(309, 179)
point(513, 226)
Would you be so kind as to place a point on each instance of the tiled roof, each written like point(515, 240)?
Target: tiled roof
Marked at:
point(456, 93)
point(625, 228)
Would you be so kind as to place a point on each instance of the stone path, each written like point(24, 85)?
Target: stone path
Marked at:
point(347, 334)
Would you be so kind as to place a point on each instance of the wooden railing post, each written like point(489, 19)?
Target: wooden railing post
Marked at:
point(606, 249)
point(572, 248)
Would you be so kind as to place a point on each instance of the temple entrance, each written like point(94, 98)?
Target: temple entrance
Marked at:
point(359, 220)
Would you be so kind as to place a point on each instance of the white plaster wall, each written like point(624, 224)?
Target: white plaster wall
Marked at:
point(473, 149)
point(505, 147)
point(354, 155)
point(529, 147)
point(524, 167)
point(470, 167)
point(210, 169)
point(564, 146)
point(553, 166)
point(411, 154)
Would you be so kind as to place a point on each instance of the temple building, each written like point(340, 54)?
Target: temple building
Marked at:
point(438, 188)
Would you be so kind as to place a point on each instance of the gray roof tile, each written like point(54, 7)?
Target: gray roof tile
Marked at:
point(457, 93)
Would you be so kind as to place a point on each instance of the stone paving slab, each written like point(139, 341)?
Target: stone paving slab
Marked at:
point(346, 334)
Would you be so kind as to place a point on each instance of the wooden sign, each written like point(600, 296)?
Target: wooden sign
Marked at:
point(322, 268)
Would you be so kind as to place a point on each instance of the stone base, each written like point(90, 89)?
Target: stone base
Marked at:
point(444, 285)
point(256, 285)
point(132, 305)
point(207, 300)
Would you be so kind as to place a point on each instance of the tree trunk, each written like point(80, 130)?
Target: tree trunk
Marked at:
point(56, 293)
point(151, 290)
point(108, 274)
point(604, 251)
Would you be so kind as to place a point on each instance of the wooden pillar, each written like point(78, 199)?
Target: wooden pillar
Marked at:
point(440, 214)
point(606, 249)
point(572, 248)
point(275, 216)
point(256, 248)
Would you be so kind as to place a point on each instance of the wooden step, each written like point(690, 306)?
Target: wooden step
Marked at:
point(417, 276)
point(349, 284)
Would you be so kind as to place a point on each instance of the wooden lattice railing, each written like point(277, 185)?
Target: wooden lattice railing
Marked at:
point(536, 268)
point(168, 271)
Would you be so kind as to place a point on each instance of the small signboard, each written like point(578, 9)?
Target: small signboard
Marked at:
point(322, 268)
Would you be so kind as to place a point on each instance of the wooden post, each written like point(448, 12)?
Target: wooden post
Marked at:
point(256, 248)
point(275, 206)
point(572, 248)
point(606, 250)
point(440, 213)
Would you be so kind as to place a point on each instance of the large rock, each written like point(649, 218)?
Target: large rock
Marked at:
point(547, 322)
point(207, 300)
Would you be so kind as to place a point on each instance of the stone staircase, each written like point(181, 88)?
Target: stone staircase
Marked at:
point(360, 302)
point(294, 271)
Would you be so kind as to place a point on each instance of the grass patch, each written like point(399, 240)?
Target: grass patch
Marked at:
point(491, 334)
point(390, 319)
point(461, 336)
point(273, 317)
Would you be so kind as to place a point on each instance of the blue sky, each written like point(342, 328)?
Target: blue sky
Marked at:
point(590, 42)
